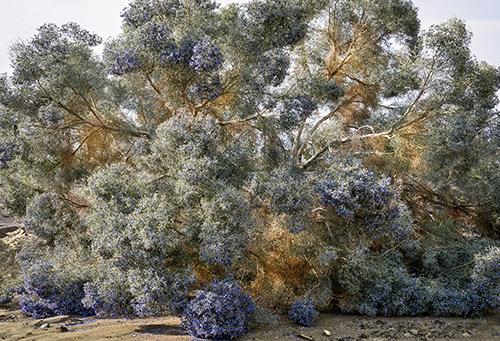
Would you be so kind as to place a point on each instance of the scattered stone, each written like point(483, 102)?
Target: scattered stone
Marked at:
point(389, 333)
point(45, 326)
point(414, 331)
point(466, 334)
point(62, 328)
point(304, 337)
point(407, 335)
point(327, 333)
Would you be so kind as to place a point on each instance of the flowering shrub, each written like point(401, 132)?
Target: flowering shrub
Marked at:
point(221, 311)
point(210, 150)
point(109, 295)
point(486, 278)
point(302, 311)
point(146, 233)
point(138, 292)
point(49, 291)
point(356, 195)
point(461, 281)
point(159, 291)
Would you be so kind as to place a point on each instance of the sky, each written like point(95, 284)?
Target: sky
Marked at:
point(19, 19)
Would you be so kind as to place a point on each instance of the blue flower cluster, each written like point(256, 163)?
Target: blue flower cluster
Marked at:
point(199, 163)
point(327, 256)
point(447, 284)
point(354, 193)
point(224, 219)
point(50, 115)
point(181, 53)
point(156, 37)
point(115, 186)
point(303, 311)
point(486, 278)
point(49, 292)
point(220, 311)
point(154, 42)
point(122, 57)
point(193, 53)
point(206, 56)
point(8, 151)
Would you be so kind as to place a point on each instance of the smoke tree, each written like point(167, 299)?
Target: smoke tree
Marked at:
point(308, 148)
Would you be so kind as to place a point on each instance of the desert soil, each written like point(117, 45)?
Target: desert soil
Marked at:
point(15, 326)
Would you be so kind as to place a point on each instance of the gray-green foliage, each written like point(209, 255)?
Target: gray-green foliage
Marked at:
point(151, 226)
point(417, 279)
point(253, 138)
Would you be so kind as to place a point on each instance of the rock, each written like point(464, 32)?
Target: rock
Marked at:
point(390, 333)
point(466, 334)
point(45, 326)
point(62, 328)
point(407, 335)
point(327, 333)
point(7, 224)
point(414, 331)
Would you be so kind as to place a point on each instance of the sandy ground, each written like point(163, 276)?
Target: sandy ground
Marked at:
point(15, 326)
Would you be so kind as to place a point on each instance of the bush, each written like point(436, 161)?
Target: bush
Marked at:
point(109, 296)
point(9, 288)
point(457, 280)
point(51, 292)
point(303, 311)
point(221, 311)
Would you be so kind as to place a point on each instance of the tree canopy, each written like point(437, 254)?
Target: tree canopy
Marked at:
point(324, 153)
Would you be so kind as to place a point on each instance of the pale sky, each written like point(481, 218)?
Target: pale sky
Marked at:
point(20, 18)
